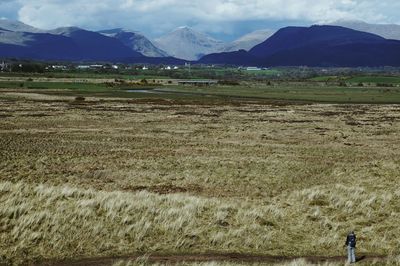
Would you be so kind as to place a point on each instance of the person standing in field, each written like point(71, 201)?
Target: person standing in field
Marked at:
point(351, 242)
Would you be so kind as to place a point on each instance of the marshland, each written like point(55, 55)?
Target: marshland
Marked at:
point(87, 173)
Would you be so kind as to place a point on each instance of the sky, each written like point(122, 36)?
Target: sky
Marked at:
point(223, 19)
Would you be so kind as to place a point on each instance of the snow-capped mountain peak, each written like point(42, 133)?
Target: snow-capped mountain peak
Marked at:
point(187, 43)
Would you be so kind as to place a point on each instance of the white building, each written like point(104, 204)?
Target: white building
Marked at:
point(83, 67)
point(253, 69)
point(59, 67)
point(90, 67)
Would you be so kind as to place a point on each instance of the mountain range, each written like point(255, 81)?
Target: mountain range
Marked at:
point(63, 44)
point(319, 45)
point(18, 40)
point(184, 42)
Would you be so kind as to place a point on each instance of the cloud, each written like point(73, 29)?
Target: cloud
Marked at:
point(158, 16)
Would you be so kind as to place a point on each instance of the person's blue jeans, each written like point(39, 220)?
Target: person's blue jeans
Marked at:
point(351, 253)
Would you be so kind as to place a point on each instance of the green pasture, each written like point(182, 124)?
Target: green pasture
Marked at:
point(360, 79)
point(375, 79)
point(304, 91)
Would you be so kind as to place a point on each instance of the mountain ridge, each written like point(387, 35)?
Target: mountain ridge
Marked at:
point(71, 44)
point(317, 46)
point(135, 41)
point(88, 41)
point(18, 26)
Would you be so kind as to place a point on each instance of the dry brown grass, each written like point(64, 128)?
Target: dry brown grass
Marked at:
point(118, 178)
point(299, 262)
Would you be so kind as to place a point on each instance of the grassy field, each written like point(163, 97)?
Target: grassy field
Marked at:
point(113, 175)
point(376, 79)
point(297, 262)
point(125, 75)
point(281, 91)
point(195, 72)
point(361, 79)
point(265, 72)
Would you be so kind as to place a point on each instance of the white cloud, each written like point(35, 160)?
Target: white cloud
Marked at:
point(158, 16)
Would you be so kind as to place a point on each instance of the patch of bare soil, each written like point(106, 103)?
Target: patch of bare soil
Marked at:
point(284, 121)
point(190, 113)
point(165, 189)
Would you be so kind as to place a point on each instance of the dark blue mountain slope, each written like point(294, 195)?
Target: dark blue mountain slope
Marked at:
point(316, 46)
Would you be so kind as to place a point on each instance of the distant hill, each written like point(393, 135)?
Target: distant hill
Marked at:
point(388, 31)
point(186, 43)
point(290, 38)
point(317, 46)
point(248, 41)
point(39, 46)
point(95, 46)
point(136, 41)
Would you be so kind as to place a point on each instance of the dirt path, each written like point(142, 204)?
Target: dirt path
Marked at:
point(173, 259)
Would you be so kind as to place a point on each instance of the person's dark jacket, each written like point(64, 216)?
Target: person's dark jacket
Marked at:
point(351, 240)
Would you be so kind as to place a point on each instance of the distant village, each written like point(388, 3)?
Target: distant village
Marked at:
point(108, 66)
point(144, 67)
point(16, 67)
point(12, 66)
